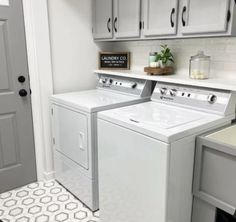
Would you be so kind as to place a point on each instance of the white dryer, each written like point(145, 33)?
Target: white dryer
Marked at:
point(146, 152)
point(74, 123)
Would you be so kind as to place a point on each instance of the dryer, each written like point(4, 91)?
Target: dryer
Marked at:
point(146, 152)
point(74, 123)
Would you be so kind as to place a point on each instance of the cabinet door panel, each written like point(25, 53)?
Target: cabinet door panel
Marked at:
point(127, 18)
point(204, 16)
point(160, 17)
point(102, 19)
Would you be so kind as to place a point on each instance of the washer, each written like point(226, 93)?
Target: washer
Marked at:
point(74, 122)
point(146, 169)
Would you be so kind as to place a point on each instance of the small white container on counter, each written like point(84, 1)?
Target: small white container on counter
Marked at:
point(152, 60)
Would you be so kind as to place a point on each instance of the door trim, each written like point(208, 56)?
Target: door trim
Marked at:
point(41, 81)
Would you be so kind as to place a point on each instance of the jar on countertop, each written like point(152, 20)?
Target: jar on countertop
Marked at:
point(152, 59)
point(199, 67)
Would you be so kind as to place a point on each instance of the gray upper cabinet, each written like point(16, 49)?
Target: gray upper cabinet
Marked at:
point(204, 16)
point(102, 19)
point(127, 18)
point(160, 17)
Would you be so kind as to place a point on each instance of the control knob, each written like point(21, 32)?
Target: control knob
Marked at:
point(134, 85)
point(212, 98)
point(163, 91)
point(173, 92)
point(104, 81)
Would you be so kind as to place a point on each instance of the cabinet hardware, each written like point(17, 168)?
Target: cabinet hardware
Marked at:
point(183, 12)
point(108, 25)
point(52, 111)
point(228, 16)
point(143, 24)
point(171, 17)
point(115, 21)
point(140, 25)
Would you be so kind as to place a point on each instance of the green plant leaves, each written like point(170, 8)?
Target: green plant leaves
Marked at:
point(165, 55)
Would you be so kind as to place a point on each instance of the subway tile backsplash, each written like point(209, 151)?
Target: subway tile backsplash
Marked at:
point(221, 50)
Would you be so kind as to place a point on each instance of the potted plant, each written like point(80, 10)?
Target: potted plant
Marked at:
point(165, 57)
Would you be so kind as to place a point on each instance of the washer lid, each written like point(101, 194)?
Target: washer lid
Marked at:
point(93, 100)
point(164, 117)
point(164, 122)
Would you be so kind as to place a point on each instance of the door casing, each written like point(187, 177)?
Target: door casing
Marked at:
point(40, 71)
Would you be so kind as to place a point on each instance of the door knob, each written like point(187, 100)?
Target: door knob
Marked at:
point(23, 93)
point(21, 79)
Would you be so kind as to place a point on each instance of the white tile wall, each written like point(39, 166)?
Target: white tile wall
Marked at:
point(221, 50)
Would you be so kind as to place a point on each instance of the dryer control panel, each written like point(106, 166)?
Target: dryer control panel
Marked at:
point(209, 100)
point(138, 87)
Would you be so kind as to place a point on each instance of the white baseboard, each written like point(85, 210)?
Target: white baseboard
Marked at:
point(49, 175)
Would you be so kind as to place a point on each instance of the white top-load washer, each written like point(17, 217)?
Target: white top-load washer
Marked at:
point(74, 123)
point(146, 152)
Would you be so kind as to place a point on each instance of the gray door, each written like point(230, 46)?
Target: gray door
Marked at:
point(17, 156)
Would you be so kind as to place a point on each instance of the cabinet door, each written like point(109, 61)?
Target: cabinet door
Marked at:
point(204, 16)
point(102, 19)
point(127, 18)
point(160, 17)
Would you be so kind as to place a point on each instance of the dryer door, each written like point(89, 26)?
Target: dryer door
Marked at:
point(70, 129)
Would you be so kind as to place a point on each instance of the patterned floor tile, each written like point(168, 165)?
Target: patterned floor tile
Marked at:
point(43, 202)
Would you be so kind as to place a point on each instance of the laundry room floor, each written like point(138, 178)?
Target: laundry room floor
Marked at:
point(43, 202)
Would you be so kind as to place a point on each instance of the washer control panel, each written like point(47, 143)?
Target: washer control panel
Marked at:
point(171, 93)
point(210, 100)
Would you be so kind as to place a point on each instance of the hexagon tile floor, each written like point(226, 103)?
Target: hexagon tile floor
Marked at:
point(43, 202)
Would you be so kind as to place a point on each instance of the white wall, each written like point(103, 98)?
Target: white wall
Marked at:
point(74, 54)
point(221, 50)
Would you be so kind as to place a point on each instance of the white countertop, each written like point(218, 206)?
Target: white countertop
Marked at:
point(216, 83)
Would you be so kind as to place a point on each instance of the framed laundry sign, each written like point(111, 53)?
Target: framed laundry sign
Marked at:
point(114, 60)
